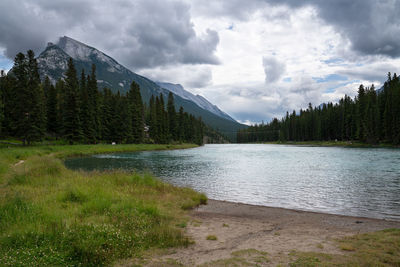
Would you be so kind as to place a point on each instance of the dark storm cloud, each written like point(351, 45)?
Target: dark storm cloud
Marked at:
point(31, 24)
point(140, 34)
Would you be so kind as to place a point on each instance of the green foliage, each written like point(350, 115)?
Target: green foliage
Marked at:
point(51, 106)
point(87, 111)
point(166, 126)
point(58, 217)
point(370, 118)
point(136, 113)
point(211, 237)
point(25, 94)
point(72, 122)
point(77, 112)
point(172, 125)
point(2, 89)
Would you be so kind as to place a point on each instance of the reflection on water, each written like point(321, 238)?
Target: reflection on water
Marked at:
point(349, 181)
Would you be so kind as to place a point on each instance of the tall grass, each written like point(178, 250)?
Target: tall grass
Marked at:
point(51, 216)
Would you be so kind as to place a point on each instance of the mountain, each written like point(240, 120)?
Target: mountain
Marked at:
point(198, 99)
point(53, 60)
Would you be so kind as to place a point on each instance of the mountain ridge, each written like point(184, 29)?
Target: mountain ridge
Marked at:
point(201, 101)
point(52, 62)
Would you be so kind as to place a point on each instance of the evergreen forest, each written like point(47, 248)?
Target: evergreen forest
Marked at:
point(74, 110)
point(373, 117)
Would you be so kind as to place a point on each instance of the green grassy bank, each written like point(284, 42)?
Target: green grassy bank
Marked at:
point(51, 216)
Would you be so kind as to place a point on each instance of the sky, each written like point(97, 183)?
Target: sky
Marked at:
point(254, 59)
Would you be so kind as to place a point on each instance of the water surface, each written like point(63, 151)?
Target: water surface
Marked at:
point(349, 181)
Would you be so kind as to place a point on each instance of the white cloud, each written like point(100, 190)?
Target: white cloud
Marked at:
point(192, 42)
point(273, 69)
point(192, 77)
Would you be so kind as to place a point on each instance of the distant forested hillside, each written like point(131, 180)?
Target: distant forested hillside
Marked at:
point(371, 117)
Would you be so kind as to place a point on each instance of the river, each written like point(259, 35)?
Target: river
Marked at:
point(348, 181)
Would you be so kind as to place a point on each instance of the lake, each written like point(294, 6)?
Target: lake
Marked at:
point(348, 181)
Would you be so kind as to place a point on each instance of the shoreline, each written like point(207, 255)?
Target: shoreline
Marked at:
point(247, 233)
point(241, 230)
point(302, 211)
point(57, 216)
point(284, 215)
point(347, 144)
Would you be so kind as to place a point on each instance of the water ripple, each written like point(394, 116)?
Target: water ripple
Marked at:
point(348, 181)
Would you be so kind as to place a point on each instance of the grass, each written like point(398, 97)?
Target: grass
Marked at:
point(211, 237)
point(381, 248)
point(52, 216)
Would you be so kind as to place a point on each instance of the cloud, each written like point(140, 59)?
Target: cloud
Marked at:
point(236, 9)
point(373, 72)
point(192, 77)
point(140, 34)
point(263, 102)
point(372, 27)
point(192, 42)
point(273, 69)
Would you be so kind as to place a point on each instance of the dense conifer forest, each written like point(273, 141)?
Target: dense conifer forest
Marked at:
point(371, 117)
point(74, 110)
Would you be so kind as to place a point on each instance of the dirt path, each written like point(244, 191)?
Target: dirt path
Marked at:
point(245, 232)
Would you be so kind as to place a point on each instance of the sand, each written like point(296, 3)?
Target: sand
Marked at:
point(276, 231)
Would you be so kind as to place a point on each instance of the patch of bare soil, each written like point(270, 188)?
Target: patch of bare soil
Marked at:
point(248, 235)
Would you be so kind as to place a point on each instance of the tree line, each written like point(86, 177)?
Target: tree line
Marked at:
point(371, 117)
point(76, 111)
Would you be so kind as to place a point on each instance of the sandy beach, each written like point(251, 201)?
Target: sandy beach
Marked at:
point(254, 233)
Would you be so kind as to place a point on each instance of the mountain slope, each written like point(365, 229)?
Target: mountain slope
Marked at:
point(199, 100)
point(53, 61)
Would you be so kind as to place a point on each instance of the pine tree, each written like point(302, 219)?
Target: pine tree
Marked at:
point(9, 100)
point(162, 120)
point(87, 113)
point(159, 124)
point(29, 110)
point(125, 119)
point(173, 132)
point(94, 105)
point(388, 115)
point(396, 109)
point(38, 114)
point(51, 103)
point(60, 91)
point(20, 110)
point(72, 123)
point(106, 115)
point(137, 114)
point(2, 85)
point(116, 119)
point(371, 117)
point(153, 129)
point(181, 125)
point(361, 131)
